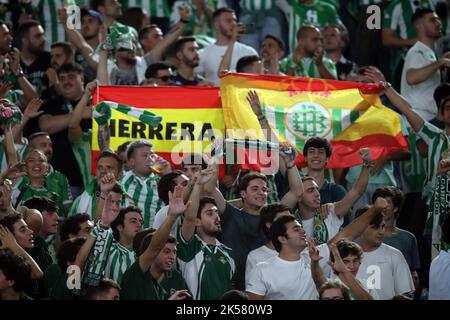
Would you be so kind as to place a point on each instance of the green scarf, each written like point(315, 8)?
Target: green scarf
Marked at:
point(102, 113)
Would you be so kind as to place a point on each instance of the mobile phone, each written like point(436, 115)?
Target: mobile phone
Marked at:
point(249, 28)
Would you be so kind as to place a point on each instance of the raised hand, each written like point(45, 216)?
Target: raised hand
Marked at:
point(325, 210)
point(32, 109)
point(313, 252)
point(238, 29)
point(13, 171)
point(338, 265)
point(364, 154)
point(62, 15)
point(375, 75)
point(7, 238)
point(318, 57)
point(380, 204)
point(378, 166)
point(14, 60)
point(255, 103)
point(205, 175)
point(4, 88)
point(107, 182)
point(90, 87)
point(444, 167)
point(176, 203)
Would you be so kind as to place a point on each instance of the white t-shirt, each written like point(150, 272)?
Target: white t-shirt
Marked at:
point(211, 56)
point(440, 277)
point(256, 256)
point(332, 222)
point(420, 95)
point(386, 271)
point(161, 216)
point(278, 279)
point(372, 292)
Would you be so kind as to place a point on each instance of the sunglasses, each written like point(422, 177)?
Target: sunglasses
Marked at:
point(166, 78)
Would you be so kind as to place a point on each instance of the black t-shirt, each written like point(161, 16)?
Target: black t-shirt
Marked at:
point(36, 72)
point(180, 81)
point(63, 158)
point(242, 233)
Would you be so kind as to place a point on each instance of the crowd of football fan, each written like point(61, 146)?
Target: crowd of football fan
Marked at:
point(142, 229)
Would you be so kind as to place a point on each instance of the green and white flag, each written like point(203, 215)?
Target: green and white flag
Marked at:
point(102, 113)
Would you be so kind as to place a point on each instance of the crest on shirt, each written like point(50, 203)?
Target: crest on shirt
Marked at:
point(223, 259)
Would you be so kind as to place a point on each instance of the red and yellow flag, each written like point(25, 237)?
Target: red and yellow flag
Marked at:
point(190, 117)
point(349, 115)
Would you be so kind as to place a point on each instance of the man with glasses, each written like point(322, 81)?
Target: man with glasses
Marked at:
point(159, 74)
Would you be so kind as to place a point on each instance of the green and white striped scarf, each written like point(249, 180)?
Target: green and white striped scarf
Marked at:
point(102, 113)
point(437, 210)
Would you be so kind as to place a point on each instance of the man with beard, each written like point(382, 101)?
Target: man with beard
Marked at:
point(34, 60)
point(421, 74)
point(60, 53)
point(186, 50)
point(205, 263)
point(152, 276)
point(225, 24)
point(55, 121)
point(307, 59)
point(272, 50)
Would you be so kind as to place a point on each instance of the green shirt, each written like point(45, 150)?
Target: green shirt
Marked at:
point(207, 269)
point(140, 285)
point(108, 258)
point(82, 149)
point(56, 188)
point(144, 193)
point(318, 14)
point(154, 8)
point(307, 68)
point(438, 149)
point(22, 150)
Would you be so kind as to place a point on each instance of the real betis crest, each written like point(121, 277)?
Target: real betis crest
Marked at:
point(308, 119)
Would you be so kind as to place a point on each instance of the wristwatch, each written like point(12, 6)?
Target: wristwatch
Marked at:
point(19, 73)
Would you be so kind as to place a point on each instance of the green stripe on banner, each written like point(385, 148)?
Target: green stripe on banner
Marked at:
point(336, 115)
point(279, 120)
point(354, 115)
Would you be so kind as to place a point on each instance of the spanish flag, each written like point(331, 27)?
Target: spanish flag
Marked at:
point(189, 118)
point(349, 115)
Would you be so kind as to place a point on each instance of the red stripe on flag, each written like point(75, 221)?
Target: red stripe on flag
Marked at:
point(345, 153)
point(287, 83)
point(161, 97)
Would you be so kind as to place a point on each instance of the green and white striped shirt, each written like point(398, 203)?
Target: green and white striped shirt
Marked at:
point(306, 68)
point(56, 188)
point(108, 258)
point(87, 201)
point(82, 151)
point(207, 269)
point(413, 171)
point(318, 14)
point(47, 11)
point(144, 193)
point(154, 8)
point(256, 5)
point(438, 149)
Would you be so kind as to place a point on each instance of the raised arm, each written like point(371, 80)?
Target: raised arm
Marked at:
point(31, 111)
point(316, 271)
point(390, 39)
point(358, 225)
point(172, 35)
point(225, 63)
point(9, 241)
point(211, 189)
point(75, 37)
point(343, 206)
point(346, 276)
point(190, 216)
point(29, 92)
point(176, 208)
point(76, 116)
point(414, 119)
point(106, 185)
point(102, 67)
point(290, 199)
